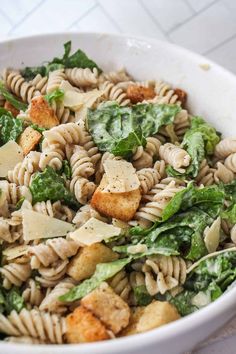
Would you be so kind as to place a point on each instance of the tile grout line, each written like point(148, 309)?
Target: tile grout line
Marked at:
point(190, 6)
point(110, 18)
point(84, 15)
point(220, 44)
point(191, 17)
point(151, 16)
point(25, 17)
point(5, 15)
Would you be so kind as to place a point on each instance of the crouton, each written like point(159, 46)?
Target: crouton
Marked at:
point(121, 206)
point(83, 265)
point(42, 114)
point(182, 96)
point(109, 307)
point(83, 326)
point(139, 93)
point(9, 107)
point(152, 316)
point(29, 139)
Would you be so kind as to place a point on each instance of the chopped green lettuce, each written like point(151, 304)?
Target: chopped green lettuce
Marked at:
point(141, 295)
point(120, 130)
point(230, 214)
point(66, 170)
point(11, 300)
point(54, 95)
point(199, 141)
point(11, 98)
point(10, 127)
point(207, 281)
point(103, 272)
point(48, 185)
point(76, 60)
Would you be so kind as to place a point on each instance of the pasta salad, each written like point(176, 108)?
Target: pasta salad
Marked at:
point(117, 206)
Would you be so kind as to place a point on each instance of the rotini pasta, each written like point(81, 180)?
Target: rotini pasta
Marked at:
point(82, 77)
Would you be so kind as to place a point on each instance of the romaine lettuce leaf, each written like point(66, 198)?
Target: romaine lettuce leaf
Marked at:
point(76, 60)
point(66, 170)
point(12, 99)
point(141, 296)
point(199, 141)
point(10, 127)
point(11, 300)
point(230, 214)
point(183, 302)
point(48, 185)
point(54, 95)
point(120, 130)
point(103, 272)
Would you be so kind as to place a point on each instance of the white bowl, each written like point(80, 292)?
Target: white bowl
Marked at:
point(211, 93)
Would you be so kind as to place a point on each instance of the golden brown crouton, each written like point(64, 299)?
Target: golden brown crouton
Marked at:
point(9, 107)
point(121, 206)
point(42, 114)
point(139, 93)
point(109, 307)
point(83, 265)
point(29, 139)
point(182, 95)
point(152, 316)
point(83, 326)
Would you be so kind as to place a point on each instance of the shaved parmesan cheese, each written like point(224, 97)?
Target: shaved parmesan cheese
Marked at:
point(76, 100)
point(37, 225)
point(212, 235)
point(15, 252)
point(121, 176)
point(137, 249)
point(66, 86)
point(10, 154)
point(94, 231)
point(201, 299)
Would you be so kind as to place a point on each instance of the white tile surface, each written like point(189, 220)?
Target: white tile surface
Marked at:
point(96, 20)
point(198, 5)
point(53, 15)
point(169, 13)
point(5, 26)
point(16, 10)
point(206, 30)
point(131, 17)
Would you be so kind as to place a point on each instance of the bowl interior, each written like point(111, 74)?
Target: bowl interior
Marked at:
point(211, 93)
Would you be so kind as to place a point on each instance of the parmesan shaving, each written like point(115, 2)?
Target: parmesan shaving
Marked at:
point(121, 176)
point(94, 231)
point(10, 154)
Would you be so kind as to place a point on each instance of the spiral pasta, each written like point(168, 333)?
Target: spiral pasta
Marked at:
point(32, 294)
point(21, 88)
point(120, 284)
point(165, 94)
point(63, 113)
point(230, 162)
point(163, 273)
point(205, 175)
point(142, 159)
point(223, 174)
point(51, 302)
point(82, 188)
point(70, 133)
point(54, 273)
point(14, 193)
point(81, 163)
point(115, 76)
point(225, 147)
point(54, 80)
point(15, 274)
point(82, 77)
point(174, 156)
point(151, 211)
point(40, 83)
point(25, 340)
point(35, 324)
point(114, 93)
point(148, 177)
point(51, 251)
